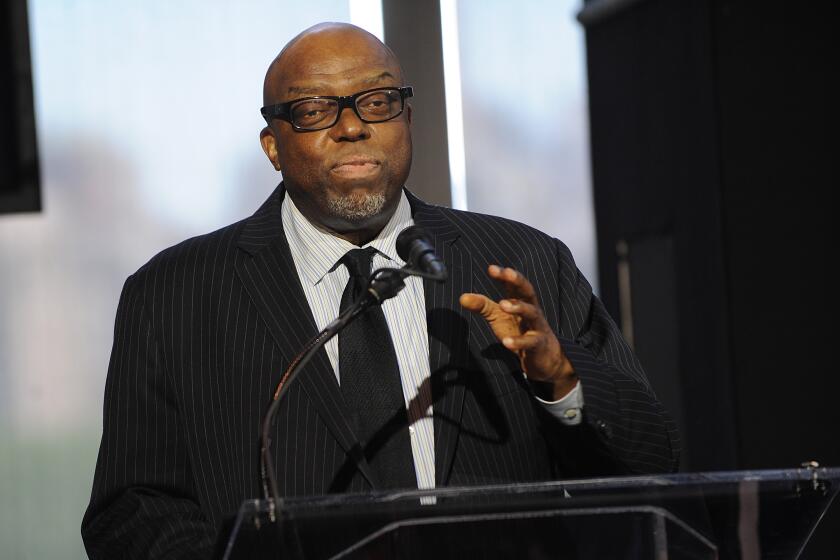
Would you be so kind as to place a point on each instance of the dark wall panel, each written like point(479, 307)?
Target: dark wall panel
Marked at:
point(713, 172)
point(656, 176)
point(777, 168)
point(19, 177)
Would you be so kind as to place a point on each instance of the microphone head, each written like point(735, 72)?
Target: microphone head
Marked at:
point(406, 239)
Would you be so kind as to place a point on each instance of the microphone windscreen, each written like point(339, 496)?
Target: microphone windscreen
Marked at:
point(406, 239)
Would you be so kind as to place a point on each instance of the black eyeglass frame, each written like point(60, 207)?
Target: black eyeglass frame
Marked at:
point(282, 110)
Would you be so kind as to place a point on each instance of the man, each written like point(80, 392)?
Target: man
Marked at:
point(492, 365)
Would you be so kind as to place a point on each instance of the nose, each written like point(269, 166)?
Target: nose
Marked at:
point(349, 127)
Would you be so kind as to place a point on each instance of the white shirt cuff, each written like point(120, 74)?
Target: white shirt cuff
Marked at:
point(568, 409)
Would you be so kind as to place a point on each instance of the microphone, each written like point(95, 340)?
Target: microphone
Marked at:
point(415, 247)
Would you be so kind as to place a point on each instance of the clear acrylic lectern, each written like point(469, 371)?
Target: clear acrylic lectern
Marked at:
point(742, 514)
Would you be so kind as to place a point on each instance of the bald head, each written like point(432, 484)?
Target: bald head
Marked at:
point(309, 54)
point(346, 178)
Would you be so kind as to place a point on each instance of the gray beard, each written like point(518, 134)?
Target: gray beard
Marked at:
point(356, 208)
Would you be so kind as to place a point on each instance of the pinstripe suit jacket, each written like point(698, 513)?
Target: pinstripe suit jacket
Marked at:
point(205, 329)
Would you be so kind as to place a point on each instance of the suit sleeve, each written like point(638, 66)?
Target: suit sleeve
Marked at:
point(625, 429)
point(143, 503)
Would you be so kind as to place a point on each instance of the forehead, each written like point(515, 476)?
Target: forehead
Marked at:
point(333, 66)
point(331, 85)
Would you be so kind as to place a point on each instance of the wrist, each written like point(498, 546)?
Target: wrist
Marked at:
point(565, 379)
point(553, 389)
point(562, 386)
point(557, 384)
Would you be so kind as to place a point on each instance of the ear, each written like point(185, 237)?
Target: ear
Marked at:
point(269, 146)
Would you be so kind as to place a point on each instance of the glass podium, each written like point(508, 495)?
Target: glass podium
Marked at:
point(741, 514)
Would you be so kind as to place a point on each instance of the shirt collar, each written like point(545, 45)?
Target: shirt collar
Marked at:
point(316, 251)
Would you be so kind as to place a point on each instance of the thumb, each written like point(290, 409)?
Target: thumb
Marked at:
point(502, 323)
point(478, 303)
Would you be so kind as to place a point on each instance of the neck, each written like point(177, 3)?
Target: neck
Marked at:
point(357, 237)
point(359, 232)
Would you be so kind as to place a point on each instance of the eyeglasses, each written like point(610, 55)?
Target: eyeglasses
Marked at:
point(317, 113)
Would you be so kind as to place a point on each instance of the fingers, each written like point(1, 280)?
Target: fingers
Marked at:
point(529, 341)
point(521, 307)
point(477, 303)
point(529, 315)
point(503, 323)
point(519, 324)
point(526, 311)
point(516, 285)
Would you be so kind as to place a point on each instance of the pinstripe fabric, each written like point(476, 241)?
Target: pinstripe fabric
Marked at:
point(625, 429)
point(315, 254)
point(205, 329)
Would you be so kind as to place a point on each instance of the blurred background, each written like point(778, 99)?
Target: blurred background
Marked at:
point(147, 119)
point(680, 149)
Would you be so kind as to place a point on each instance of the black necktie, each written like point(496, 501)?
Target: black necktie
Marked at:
point(370, 383)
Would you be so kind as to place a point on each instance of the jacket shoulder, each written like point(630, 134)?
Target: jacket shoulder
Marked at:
point(219, 247)
point(188, 262)
point(495, 235)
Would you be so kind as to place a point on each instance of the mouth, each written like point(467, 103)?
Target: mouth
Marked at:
point(356, 167)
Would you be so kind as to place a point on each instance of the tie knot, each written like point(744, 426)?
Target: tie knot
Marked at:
point(358, 261)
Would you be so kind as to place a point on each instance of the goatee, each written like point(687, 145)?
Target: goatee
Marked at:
point(356, 208)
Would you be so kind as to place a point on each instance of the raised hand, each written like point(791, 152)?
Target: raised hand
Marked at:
point(519, 324)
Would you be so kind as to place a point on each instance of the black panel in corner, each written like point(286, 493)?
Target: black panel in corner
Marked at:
point(20, 189)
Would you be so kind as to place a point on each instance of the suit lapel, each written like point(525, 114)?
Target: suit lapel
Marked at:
point(271, 280)
point(448, 334)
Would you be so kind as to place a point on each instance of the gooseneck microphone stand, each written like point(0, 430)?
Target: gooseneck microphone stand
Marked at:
point(383, 284)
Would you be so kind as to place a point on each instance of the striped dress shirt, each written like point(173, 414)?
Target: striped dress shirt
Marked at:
point(316, 254)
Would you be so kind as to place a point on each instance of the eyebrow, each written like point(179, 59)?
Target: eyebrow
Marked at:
point(315, 89)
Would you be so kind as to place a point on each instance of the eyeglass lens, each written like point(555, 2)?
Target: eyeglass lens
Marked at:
point(375, 106)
